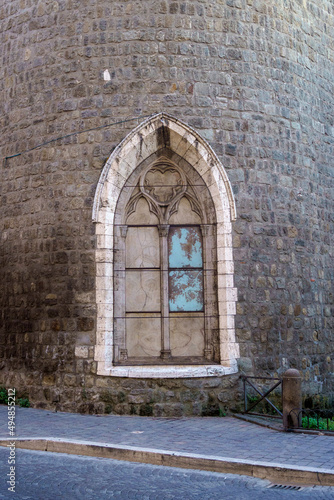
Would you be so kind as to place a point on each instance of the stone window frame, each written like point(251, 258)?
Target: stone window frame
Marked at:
point(157, 132)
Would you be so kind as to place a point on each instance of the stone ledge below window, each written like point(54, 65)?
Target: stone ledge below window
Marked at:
point(176, 371)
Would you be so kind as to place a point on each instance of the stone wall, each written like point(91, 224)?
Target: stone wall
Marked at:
point(255, 79)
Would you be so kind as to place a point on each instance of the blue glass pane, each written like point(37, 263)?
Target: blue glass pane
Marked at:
point(185, 247)
point(185, 290)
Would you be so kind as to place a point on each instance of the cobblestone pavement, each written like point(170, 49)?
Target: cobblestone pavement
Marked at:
point(50, 476)
point(224, 437)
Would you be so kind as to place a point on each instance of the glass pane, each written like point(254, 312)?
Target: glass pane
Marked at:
point(142, 290)
point(185, 247)
point(143, 333)
point(142, 247)
point(185, 290)
point(187, 334)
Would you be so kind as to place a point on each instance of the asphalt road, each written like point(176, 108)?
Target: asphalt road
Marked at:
point(50, 476)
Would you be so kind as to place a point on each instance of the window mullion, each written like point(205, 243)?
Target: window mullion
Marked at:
point(165, 337)
point(120, 350)
point(207, 285)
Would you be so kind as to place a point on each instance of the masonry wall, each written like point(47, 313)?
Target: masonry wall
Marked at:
point(255, 79)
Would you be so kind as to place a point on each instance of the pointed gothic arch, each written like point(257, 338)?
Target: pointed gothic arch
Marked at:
point(163, 136)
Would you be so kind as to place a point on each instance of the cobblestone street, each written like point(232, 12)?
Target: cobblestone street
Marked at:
point(51, 476)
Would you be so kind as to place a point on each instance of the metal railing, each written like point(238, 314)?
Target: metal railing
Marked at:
point(319, 419)
point(263, 395)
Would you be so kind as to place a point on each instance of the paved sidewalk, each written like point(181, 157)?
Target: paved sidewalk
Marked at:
point(209, 440)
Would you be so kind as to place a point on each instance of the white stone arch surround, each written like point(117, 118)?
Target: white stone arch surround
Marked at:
point(161, 131)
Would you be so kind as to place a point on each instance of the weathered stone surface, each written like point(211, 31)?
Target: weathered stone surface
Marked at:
point(255, 79)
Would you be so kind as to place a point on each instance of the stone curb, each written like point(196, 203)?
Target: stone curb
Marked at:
point(274, 472)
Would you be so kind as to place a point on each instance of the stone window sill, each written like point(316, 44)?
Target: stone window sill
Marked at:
point(171, 371)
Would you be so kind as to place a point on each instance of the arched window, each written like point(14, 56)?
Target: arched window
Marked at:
point(165, 296)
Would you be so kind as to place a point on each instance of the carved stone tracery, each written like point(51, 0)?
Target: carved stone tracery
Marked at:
point(163, 185)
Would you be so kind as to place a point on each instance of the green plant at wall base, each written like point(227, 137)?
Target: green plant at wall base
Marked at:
point(320, 423)
point(108, 409)
point(318, 401)
point(3, 396)
point(252, 399)
point(263, 406)
point(146, 410)
point(24, 402)
point(84, 394)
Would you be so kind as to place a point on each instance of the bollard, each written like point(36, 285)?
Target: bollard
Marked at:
point(292, 399)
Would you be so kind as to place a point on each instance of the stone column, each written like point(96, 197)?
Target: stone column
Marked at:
point(165, 338)
point(207, 286)
point(120, 351)
point(292, 399)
